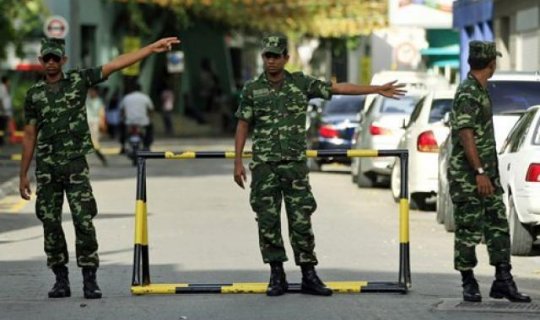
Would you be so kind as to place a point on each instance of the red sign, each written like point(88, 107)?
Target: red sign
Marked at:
point(56, 27)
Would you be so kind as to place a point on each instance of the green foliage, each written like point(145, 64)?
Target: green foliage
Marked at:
point(320, 18)
point(18, 19)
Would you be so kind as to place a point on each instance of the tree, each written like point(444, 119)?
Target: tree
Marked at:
point(318, 18)
point(18, 20)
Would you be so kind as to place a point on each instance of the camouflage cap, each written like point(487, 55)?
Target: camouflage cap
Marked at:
point(274, 44)
point(52, 46)
point(483, 50)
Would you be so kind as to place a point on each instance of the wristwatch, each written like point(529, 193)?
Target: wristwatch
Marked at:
point(480, 171)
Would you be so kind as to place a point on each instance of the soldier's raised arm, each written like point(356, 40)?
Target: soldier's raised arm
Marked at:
point(130, 58)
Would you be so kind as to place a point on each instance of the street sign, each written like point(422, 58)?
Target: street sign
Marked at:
point(56, 27)
point(175, 61)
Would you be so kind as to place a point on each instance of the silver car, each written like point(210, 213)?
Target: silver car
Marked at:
point(381, 127)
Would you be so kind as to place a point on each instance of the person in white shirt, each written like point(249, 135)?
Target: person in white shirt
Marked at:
point(136, 108)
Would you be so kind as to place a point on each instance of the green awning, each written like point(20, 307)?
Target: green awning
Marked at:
point(452, 63)
point(452, 50)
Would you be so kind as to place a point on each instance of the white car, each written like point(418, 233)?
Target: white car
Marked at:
point(422, 137)
point(511, 94)
point(519, 166)
point(380, 128)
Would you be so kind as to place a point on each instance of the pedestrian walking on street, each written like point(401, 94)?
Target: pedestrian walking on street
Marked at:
point(475, 187)
point(275, 105)
point(56, 126)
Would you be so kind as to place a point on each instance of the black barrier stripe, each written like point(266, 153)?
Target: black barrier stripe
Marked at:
point(136, 279)
point(331, 153)
point(392, 153)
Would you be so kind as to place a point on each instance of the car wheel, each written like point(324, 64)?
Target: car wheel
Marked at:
point(520, 236)
point(449, 222)
point(418, 201)
point(313, 165)
point(395, 181)
point(362, 180)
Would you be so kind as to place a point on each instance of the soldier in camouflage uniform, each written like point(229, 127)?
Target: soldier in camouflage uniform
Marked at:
point(275, 104)
point(473, 176)
point(56, 126)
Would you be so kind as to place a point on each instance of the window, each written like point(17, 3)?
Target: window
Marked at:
point(344, 105)
point(517, 135)
point(404, 105)
point(508, 96)
point(439, 108)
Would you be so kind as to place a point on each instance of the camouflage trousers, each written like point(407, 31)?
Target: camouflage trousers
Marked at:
point(475, 217)
point(73, 179)
point(272, 182)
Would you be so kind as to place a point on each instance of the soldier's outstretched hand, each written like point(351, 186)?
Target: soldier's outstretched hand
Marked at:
point(392, 90)
point(164, 44)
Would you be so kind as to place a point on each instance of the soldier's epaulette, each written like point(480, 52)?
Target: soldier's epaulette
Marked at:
point(297, 75)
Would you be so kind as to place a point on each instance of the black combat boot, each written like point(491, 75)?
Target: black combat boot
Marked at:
point(471, 292)
point(504, 285)
point(90, 287)
point(278, 283)
point(311, 284)
point(61, 286)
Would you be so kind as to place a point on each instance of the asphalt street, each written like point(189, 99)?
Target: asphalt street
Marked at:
point(202, 230)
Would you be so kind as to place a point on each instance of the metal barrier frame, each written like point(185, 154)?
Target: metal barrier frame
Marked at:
point(141, 284)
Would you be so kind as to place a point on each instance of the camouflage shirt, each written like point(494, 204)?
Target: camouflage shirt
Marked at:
point(278, 117)
point(59, 113)
point(472, 109)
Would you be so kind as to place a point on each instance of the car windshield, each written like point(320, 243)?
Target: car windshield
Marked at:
point(344, 105)
point(508, 96)
point(438, 109)
point(404, 105)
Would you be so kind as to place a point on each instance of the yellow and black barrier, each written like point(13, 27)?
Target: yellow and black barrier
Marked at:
point(14, 157)
point(141, 283)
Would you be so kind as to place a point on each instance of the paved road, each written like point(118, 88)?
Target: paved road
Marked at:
point(201, 230)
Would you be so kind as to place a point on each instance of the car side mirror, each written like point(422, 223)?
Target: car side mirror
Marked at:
point(446, 119)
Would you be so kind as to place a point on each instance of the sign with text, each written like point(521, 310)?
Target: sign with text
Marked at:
point(130, 44)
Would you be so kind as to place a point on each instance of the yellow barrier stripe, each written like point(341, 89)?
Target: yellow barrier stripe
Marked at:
point(255, 287)
point(183, 155)
point(362, 153)
point(158, 288)
point(347, 286)
point(245, 287)
point(311, 153)
point(404, 220)
point(141, 236)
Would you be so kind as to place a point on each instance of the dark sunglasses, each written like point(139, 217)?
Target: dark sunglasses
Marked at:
point(46, 58)
point(270, 55)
